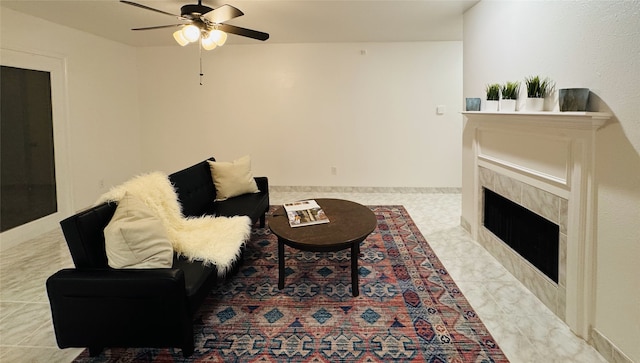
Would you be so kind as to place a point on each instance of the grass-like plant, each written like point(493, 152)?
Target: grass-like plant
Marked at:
point(510, 90)
point(493, 92)
point(538, 88)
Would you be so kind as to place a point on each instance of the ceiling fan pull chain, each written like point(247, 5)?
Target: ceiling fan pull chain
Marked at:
point(201, 74)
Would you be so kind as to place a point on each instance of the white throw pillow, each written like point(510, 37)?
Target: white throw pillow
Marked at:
point(135, 237)
point(233, 178)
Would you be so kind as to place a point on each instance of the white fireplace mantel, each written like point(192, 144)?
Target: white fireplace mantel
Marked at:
point(553, 152)
point(553, 120)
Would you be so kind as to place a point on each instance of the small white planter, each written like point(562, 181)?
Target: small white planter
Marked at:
point(507, 105)
point(491, 106)
point(535, 104)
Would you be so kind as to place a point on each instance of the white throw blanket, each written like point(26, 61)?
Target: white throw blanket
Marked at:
point(213, 240)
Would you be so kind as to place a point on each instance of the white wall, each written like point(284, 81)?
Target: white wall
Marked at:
point(103, 130)
point(300, 109)
point(593, 44)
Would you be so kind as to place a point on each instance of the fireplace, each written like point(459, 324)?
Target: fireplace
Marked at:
point(537, 167)
point(522, 200)
point(529, 234)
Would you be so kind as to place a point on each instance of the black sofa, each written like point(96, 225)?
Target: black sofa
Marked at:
point(95, 306)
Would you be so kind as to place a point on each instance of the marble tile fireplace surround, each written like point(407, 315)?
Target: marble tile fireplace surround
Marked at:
point(543, 162)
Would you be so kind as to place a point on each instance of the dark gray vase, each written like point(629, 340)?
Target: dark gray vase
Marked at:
point(573, 99)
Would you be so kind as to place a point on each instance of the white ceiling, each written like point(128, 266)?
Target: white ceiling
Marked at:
point(287, 21)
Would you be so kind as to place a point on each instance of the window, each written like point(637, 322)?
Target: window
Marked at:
point(27, 165)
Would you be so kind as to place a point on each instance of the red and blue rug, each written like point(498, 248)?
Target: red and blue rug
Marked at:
point(409, 308)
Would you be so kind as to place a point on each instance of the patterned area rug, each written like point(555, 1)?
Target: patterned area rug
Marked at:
point(409, 308)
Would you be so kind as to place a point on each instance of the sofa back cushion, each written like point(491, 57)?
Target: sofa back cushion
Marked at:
point(195, 189)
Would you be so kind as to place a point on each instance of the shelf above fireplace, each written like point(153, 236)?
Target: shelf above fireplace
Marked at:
point(560, 120)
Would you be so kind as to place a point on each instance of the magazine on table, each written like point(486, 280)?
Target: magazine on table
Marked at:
point(305, 213)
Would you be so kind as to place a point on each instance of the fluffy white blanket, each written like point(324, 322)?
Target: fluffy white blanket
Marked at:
point(213, 240)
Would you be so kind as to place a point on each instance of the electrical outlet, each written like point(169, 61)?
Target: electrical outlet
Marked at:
point(334, 170)
point(101, 183)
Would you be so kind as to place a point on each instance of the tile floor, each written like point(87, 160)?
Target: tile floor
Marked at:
point(523, 327)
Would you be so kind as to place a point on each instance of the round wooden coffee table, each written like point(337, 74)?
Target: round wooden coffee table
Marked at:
point(349, 224)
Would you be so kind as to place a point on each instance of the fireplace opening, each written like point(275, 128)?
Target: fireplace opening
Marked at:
point(532, 236)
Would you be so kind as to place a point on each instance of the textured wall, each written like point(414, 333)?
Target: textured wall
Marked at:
point(368, 109)
point(593, 44)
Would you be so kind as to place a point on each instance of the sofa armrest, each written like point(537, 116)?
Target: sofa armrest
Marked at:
point(263, 183)
point(117, 282)
point(99, 308)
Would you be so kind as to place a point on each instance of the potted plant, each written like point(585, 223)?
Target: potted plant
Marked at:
point(493, 96)
point(509, 91)
point(537, 90)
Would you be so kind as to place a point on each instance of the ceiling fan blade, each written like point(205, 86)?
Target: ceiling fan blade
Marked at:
point(158, 27)
point(223, 13)
point(148, 8)
point(243, 31)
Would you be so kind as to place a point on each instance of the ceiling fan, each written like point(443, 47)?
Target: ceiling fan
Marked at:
point(203, 23)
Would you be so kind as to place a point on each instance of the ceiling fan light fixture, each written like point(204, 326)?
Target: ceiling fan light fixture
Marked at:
point(191, 33)
point(218, 36)
point(179, 37)
point(208, 43)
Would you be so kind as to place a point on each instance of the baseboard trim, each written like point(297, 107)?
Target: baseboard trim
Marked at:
point(338, 189)
point(465, 224)
point(607, 349)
